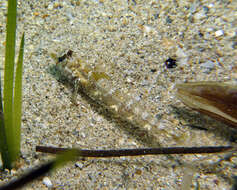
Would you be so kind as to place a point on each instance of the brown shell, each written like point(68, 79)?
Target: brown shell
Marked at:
point(216, 99)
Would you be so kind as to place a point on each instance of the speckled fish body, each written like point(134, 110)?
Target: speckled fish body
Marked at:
point(97, 85)
point(216, 99)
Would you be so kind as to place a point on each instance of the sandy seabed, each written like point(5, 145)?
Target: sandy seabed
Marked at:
point(132, 39)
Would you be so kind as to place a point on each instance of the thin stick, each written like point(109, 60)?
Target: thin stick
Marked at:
point(28, 177)
point(138, 151)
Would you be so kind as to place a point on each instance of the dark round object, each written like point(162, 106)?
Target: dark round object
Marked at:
point(170, 63)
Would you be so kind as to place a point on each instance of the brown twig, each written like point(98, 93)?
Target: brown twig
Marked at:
point(137, 151)
point(28, 177)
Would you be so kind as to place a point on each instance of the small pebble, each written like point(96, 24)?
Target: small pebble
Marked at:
point(50, 7)
point(83, 135)
point(219, 33)
point(210, 5)
point(147, 29)
point(129, 79)
point(47, 182)
point(79, 165)
point(199, 15)
point(138, 171)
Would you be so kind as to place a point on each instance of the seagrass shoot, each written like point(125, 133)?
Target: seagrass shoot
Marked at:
point(11, 101)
